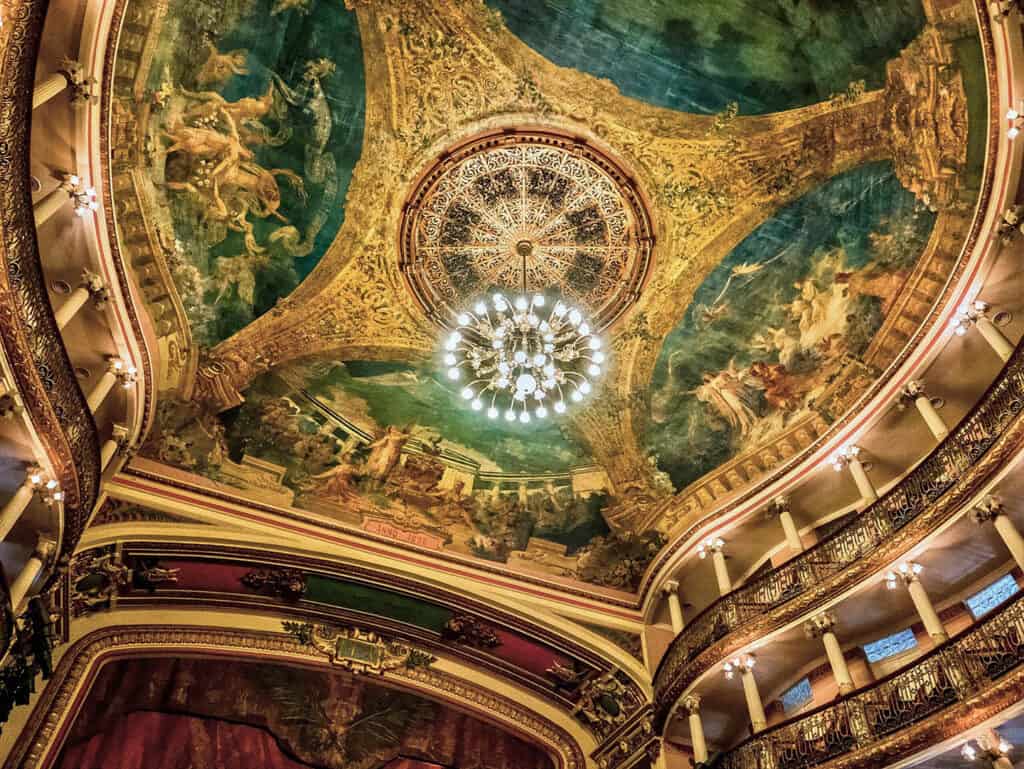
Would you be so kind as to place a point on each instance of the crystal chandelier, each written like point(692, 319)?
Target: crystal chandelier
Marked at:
point(519, 360)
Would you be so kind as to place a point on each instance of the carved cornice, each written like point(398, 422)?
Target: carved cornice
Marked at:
point(562, 643)
point(984, 441)
point(145, 360)
point(53, 401)
point(40, 740)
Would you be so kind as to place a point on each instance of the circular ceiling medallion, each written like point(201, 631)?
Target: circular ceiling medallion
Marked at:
point(527, 211)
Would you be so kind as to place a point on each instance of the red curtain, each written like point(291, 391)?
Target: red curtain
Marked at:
point(150, 740)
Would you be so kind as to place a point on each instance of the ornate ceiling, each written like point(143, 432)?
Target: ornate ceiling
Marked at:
point(759, 204)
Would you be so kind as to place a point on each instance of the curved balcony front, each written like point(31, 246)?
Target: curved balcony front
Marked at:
point(956, 686)
point(928, 496)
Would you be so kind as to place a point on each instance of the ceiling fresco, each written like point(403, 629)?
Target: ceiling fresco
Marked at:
point(701, 57)
point(779, 184)
point(256, 125)
point(270, 715)
point(780, 317)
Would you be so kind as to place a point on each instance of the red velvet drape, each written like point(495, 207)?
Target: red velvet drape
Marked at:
point(148, 740)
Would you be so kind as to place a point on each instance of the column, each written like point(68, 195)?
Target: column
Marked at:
point(70, 188)
point(849, 456)
point(675, 608)
point(30, 572)
point(822, 626)
point(91, 287)
point(70, 76)
point(975, 314)
point(117, 371)
point(700, 746)
point(995, 338)
point(52, 202)
point(915, 393)
point(714, 547)
point(908, 574)
point(18, 503)
point(745, 667)
point(991, 509)
point(780, 506)
point(118, 441)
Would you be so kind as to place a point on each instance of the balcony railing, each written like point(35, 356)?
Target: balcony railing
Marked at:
point(954, 672)
point(966, 444)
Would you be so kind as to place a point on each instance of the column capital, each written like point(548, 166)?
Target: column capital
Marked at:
point(670, 588)
point(820, 624)
point(45, 549)
point(990, 508)
point(744, 664)
point(1000, 9)
point(967, 315)
point(710, 545)
point(80, 85)
point(778, 506)
point(691, 704)
point(97, 288)
point(907, 573)
point(10, 405)
point(913, 390)
point(843, 456)
point(126, 373)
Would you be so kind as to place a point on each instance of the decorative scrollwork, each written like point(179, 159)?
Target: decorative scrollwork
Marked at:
point(361, 651)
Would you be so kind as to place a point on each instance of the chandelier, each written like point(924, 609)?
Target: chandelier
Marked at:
point(519, 360)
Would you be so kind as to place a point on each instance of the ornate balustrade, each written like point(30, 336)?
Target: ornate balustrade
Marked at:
point(30, 339)
point(955, 672)
point(927, 496)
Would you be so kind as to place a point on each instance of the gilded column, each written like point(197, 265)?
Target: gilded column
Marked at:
point(69, 77)
point(849, 456)
point(117, 371)
point(991, 509)
point(700, 746)
point(915, 393)
point(976, 314)
point(45, 549)
point(908, 573)
point(675, 608)
point(91, 287)
point(714, 546)
point(822, 626)
point(117, 442)
point(745, 667)
point(780, 507)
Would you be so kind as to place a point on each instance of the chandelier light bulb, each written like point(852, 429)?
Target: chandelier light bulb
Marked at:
point(524, 361)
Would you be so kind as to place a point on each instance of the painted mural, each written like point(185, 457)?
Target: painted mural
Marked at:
point(780, 317)
point(248, 714)
point(255, 125)
point(701, 57)
point(257, 122)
